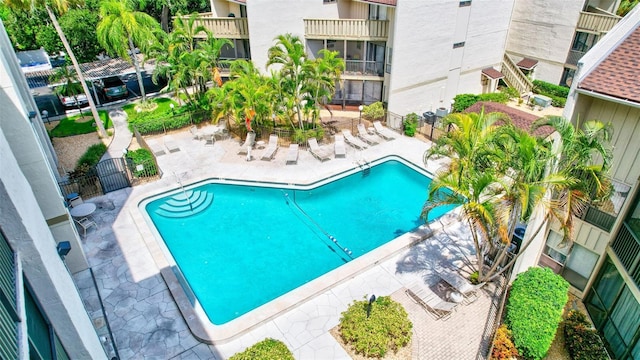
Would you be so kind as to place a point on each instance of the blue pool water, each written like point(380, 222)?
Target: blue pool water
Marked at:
point(244, 245)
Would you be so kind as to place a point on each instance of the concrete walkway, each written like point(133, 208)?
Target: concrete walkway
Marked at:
point(145, 319)
point(122, 135)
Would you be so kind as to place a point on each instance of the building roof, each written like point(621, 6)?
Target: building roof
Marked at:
point(492, 73)
point(527, 63)
point(618, 75)
point(521, 119)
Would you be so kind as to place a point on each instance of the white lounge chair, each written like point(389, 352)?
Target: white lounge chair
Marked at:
point(338, 147)
point(353, 141)
point(382, 131)
point(170, 144)
point(368, 138)
point(85, 223)
point(221, 131)
point(155, 147)
point(249, 141)
point(319, 153)
point(198, 135)
point(271, 149)
point(292, 154)
point(464, 287)
point(430, 301)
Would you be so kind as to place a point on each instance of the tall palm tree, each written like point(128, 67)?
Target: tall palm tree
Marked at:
point(324, 73)
point(70, 85)
point(61, 6)
point(122, 29)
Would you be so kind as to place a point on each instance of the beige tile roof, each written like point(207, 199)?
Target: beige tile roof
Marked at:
point(618, 75)
point(521, 119)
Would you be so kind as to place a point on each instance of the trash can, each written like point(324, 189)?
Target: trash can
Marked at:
point(516, 240)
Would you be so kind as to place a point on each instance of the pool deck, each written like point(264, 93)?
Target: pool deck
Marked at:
point(147, 324)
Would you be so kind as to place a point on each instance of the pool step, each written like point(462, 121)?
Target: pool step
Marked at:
point(179, 205)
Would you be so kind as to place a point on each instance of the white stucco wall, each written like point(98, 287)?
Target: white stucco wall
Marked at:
point(27, 232)
point(543, 30)
point(427, 72)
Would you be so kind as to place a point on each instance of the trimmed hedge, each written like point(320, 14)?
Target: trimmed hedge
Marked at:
point(386, 328)
point(267, 349)
point(463, 101)
point(374, 111)
point(534, 310)
point(581, 340)
point(145, 158)
point(410, 124)
point(557, 93)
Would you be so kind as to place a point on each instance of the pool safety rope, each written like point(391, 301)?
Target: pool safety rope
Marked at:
point(329, 236)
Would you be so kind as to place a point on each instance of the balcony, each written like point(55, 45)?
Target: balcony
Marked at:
point(627, 247)
point(362, 67)
point(346, 29)
point(598, 23)
point(226, 28)
point(574, 56)
point(598, 218)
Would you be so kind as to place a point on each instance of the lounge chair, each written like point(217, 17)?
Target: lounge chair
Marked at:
point(430, 301)
point(319, 153)
point(170, 144)
point(338, 146)
point(382, 131)
point(368, 138)
point(271, 149)
point(86, 223)
point(464, 287)
point(221, 131)
point(353, 141)
point(155, 147)
point(292, 154)
point(249, 141)
point(198, 135)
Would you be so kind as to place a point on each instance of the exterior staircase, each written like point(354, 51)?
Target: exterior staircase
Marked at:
point(514, 77)
point(186, 204)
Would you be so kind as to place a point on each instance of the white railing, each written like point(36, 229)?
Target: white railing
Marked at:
point(346, 29)
point(514, 76)
point(597, 22)
point(228, 28)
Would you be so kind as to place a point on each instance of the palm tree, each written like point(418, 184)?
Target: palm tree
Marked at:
point(70, 85)
point(122, 29)
point(324, 72)
point(61, 6)
point(499, 175)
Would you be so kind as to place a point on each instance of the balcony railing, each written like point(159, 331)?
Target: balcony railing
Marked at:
point(346, 29)
point(514, 76)
point(574, 56)
point(600, 23)
point(627, 248)
point(598, 218)
point(227, 28)
point(362, 67)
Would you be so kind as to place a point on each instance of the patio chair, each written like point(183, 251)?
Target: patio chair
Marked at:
point(198, 135)
point(170, 144)
point(462, 285)
point(221, 130)
point(353, 141)
point(75, 202)
point(292, 154)
point(421, 293)
point(85, 223)
point(339, 148)
point(155, 147)
point(319, 153)
point(248, 142)
point(368, 138)
point(382, 131)
point(271, 149)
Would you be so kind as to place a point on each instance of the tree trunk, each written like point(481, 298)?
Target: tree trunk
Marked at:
point(94, 111)
point(134, 57)
point(164, 18)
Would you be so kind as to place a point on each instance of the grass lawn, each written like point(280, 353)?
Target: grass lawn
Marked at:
point(163, 109)
point(75, 126)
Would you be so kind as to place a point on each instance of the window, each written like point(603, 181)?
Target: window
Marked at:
point(579, 266)
point(583, 41)
point(377, 12)
point(458, 45)
point(329, 1)
point(389, 55)
point(567, 77)
point(465, 3)
point(555, 249)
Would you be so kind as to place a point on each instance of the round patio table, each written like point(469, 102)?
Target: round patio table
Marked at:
point(83, 210)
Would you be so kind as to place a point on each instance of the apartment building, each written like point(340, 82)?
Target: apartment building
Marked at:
point(41, 313)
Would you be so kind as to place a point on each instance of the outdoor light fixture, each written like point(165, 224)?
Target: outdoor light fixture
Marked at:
point(32, 115)
point(172, 106)
point(45, 115)
point(372, 299)
point(63, 248)
point(360, 118)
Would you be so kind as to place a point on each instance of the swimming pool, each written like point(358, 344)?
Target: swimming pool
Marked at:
point(245, 244)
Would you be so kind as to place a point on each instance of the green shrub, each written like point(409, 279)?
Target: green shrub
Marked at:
point(512, 93)
point(92, 156)
point(463, 101)
point(503, 347)
point(145, 158)
point(267, 349)
point(534, 310)
point(410, 124)
point(387, 328)
point(374, 111)
point(549, 89)
point(301, 136)
point(581, 340)
point(498, 97)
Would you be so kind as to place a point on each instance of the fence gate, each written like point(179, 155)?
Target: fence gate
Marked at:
point(113, 174)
